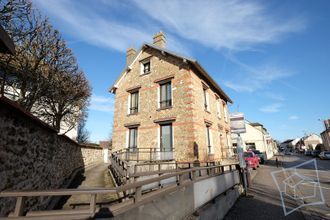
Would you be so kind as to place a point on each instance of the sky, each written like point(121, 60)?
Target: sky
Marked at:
point(271, 57)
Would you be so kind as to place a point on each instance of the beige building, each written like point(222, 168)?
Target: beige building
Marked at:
point(256, 137)
point(169, 103)
point(325, 135)
point(310, 141)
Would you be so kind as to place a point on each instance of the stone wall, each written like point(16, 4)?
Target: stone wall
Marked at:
point(34, 157)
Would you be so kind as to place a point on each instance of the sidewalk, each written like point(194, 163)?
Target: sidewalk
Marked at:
point(263, 201)
point(94, 177)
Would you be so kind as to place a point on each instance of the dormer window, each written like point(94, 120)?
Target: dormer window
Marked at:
point(145, 66)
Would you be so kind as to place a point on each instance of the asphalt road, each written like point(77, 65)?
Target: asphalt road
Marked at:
point(265, 202)
point(322, 174)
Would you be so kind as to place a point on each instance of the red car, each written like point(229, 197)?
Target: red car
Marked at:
point(251, 159)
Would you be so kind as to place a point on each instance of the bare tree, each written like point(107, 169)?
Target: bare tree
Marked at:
point(83, 133)
point(46, 77)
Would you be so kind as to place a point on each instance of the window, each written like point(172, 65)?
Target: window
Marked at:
point(228, 139)
point(166, 138)
point(132, 138)
point(134, 102)
point(218, 108)
point(165, 95)
point(146, 67)
point(225, 111)
point(206, 107)
point(208, 136)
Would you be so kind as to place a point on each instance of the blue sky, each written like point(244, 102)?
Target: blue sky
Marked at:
point(271, 57)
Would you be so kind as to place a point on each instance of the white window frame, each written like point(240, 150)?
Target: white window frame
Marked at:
point(206, 99)
point(158, 94)
point(225, 112)
point(142, 66)
point(228, 139)
point(129, 102)
point(209, 134)
point(127, 137)
point(218, 107)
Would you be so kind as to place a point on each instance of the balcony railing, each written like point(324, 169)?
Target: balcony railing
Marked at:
point(145, 154)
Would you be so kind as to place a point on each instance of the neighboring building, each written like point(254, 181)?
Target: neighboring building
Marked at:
point(106, 147)
point(256, 137)
point(325, 135)
point(7, 46)
point(70, 131)
point(311, 141)
point(168, 102)
point(291, 144)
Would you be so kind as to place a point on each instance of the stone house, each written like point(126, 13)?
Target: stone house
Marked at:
point(168, 102)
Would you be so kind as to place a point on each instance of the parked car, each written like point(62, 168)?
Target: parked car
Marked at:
point(308, 153)
point(288, 153)
point(325, 155)
point(260, 155)
point(315, 153)
point(251, 159)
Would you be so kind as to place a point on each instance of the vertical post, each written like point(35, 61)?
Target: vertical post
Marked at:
point(159, 166)
point(180, 179)
point(150, 154)
point(193, 175)
point(92, 204)
point(19, 207)
point(138, 193)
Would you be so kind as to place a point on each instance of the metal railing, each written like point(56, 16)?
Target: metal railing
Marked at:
point(144, 154)
point(135, 198)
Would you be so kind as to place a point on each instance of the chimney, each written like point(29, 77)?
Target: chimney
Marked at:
point(159, 39)
point(130, 54)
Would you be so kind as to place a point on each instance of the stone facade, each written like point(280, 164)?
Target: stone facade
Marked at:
point(34, 157)
point(187, 111)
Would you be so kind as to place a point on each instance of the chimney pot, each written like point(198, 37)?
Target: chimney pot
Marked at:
point(159, 39)
point(130, 54)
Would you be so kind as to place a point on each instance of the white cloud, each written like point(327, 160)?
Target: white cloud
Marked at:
point(272, 108)
point(293, 117)
point(274, 96)
point(101, 103)
point(235, 25)
point(252, 79)
point(89, 26)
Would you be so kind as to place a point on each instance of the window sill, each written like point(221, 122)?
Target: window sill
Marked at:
point(163, 108)
point(130, 114)
point(147, 73)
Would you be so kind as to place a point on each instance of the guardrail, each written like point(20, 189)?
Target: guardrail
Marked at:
point(135, 198)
